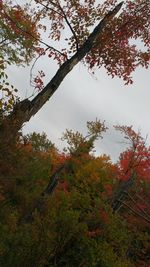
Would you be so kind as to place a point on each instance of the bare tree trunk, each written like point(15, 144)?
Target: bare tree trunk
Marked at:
point(26, 108)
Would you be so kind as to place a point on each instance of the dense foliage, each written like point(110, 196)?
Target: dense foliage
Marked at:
point(77, 224)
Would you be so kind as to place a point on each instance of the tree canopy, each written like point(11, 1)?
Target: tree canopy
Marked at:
point(91, 216)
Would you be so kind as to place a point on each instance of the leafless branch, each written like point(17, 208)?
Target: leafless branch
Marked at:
point(135, 212)
point(139, 208)
point(143, 200)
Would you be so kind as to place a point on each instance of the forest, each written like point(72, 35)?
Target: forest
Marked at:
point(72, 207)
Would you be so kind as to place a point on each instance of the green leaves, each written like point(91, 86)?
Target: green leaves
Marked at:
point(18, 33)
point(7, 91)
point(77, 142)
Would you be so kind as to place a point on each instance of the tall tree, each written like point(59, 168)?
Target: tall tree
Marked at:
point(101, 38)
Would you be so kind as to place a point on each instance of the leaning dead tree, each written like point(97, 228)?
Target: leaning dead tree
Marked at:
point(107, 45)
point(25, 109)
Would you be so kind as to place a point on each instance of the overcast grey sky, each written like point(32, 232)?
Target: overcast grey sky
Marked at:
point(82, 98)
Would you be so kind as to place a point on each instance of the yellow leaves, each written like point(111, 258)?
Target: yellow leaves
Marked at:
point(8, 97)
point(96, 128)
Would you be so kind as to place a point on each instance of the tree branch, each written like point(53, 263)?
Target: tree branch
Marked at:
point(66, 67)
point(69, 25)
point(121, 194)
point(47, 7)
point(27, 109)
point(135, 212)
point(139, 208)
point(36, 59)
point(64, 16)
point(31, 35)
point(143, 200)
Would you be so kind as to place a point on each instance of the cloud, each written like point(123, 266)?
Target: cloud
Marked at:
point(81, 98)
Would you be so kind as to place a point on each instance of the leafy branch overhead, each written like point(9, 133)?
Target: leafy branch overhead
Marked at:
point(113, 48)
point(99, 35)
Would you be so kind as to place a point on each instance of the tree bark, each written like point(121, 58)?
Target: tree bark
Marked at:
point(26, 109)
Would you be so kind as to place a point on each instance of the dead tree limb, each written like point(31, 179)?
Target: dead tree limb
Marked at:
point(26, 109)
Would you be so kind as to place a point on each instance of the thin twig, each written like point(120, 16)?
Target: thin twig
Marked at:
point(72, 30)
point(135, 212)
point(50, 8)
point(64, 16)
point(35, 63)
point(35, 38)
point(140, 209)
point(144, 201)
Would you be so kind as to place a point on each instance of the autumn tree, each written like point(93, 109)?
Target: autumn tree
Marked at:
point(133, 165)
point(103, 37)
point(75, 222)
point(39, 142)
point(131, 195)
point(78, 151)
point(76, 226)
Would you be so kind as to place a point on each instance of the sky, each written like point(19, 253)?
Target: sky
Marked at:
point(82, 97)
